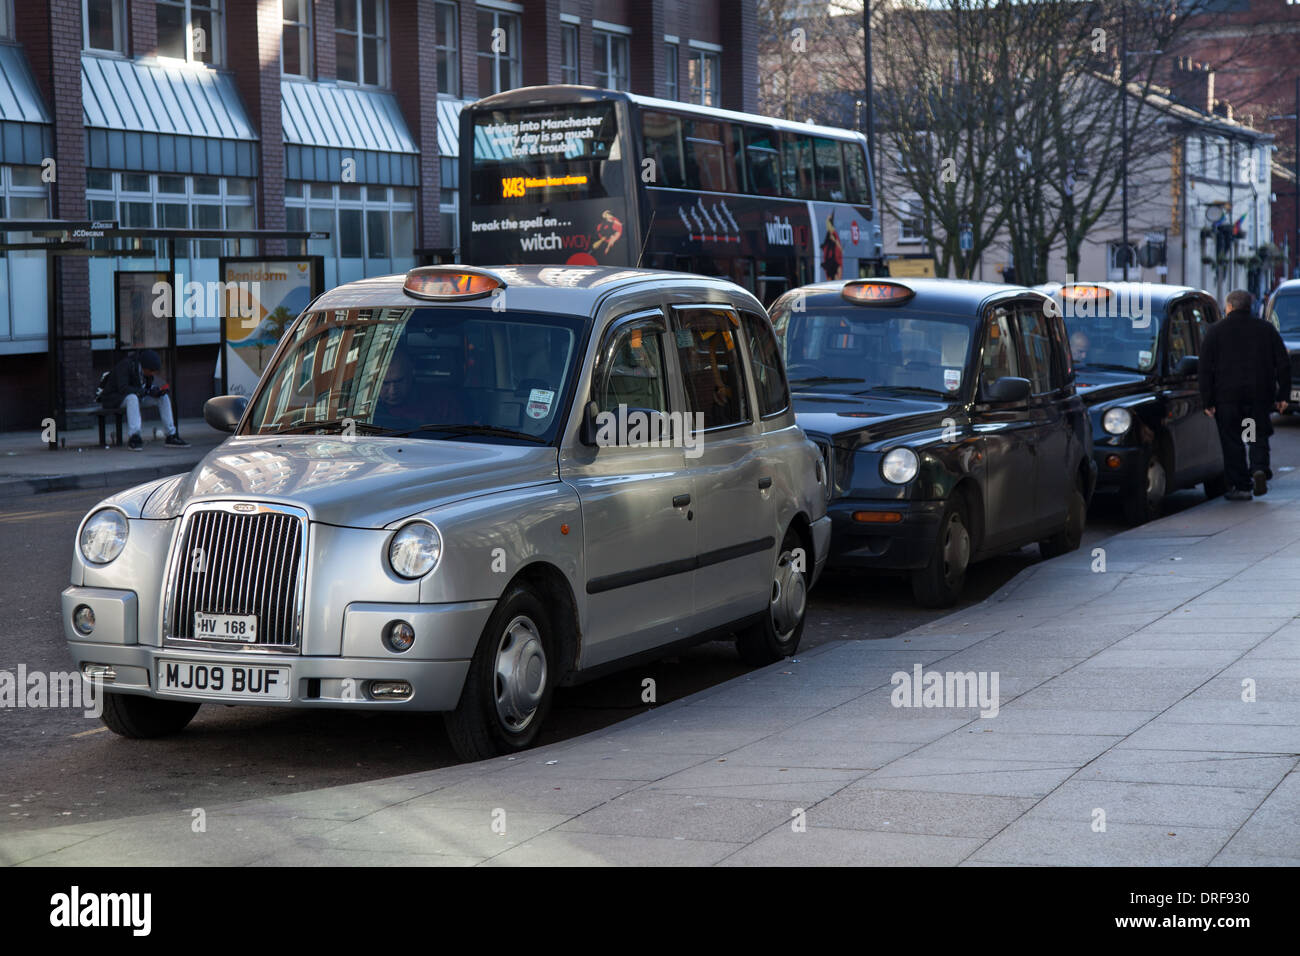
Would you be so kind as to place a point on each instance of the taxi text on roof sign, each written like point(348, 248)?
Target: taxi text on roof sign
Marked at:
point(1084, 292)
point(877, 293)
point(450, 282)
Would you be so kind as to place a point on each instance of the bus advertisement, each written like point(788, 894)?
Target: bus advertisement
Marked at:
point(587, 176)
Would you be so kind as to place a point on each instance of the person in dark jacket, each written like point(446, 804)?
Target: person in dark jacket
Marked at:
point(134, 382)
point(1244, 375)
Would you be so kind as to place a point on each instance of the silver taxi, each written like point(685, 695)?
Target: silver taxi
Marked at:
point(456, 489)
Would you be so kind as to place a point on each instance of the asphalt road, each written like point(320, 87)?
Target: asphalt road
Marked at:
point(58, 766)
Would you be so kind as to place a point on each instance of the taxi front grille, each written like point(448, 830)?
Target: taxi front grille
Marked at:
point(232, 563)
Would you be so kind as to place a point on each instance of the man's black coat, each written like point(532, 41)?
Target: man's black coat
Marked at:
point(127, 378)
point(1243, 359)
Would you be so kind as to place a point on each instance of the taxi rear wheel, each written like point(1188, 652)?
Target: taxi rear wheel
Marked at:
point(777, 635)
point(1071, 536)
point(508, 690)
point(940, 583)
point(1144, 501)
point(142, 718)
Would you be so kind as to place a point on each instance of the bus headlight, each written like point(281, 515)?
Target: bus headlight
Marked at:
point(103, 536)
point(1117, 421)
point(900, 466)
point(415, 549)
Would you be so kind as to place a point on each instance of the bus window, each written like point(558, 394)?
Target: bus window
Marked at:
point(661, 134)
point(736, 151)
point(764, 161)
point(797, 166)
point(830, 172)
point(706, 159)
point(855, 175)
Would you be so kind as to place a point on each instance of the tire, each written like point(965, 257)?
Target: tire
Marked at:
point(511, 680)
point(143, 718)
point(940, 583)
point(1069, 537)
point(777, 635)
point(1215, 487)
point(1146, 499)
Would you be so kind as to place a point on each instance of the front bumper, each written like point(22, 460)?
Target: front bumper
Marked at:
point(435, 666)
point(906, 544)
point(1123, 474)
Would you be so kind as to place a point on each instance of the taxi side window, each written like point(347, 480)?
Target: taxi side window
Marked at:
point(765, 361)
point(1181, 342)
point(634, 372)
point(1036, 342)
point(709, 355)
point(999, 351)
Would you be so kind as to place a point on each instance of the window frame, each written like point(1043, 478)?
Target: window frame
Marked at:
point(916, 208)
point(708, 95)
point(383, 26)
point(641, 320)
point(747, 410)
point(307, 27)
point(672, 71)
point(1055, 376)
point(569, 39)
point(748, 319)
point(447, 53)
point(512, 23)
point(119, 26)
point(216, 44)
point(609, 40)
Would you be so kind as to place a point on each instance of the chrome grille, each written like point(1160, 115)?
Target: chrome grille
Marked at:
point(239, 559)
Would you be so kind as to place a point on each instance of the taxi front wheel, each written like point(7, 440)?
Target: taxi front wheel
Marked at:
point(1068, 538)
point(939, 583)
point(777, 635)
point(507, 693)
point(141, 718)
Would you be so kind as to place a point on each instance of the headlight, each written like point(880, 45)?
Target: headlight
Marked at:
point(415, 549)
point(1117, 421)
point(900, 466)
point(103, 536)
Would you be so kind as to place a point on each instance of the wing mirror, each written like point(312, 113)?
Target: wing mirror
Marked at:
point(224, 412)
point(1007, 390)
point(1187, 365)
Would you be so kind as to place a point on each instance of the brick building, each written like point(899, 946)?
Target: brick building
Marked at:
point(329, 115)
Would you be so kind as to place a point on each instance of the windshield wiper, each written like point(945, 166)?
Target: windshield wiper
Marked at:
point(825, 380)
point(903, 388)
point(339, 423)
point(472, 430)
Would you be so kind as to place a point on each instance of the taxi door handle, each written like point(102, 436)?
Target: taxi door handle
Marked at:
point(681, 501)
point(765, 482)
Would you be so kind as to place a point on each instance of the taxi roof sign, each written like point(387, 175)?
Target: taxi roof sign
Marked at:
point(1084, 292)
point(451, 282)
point(874, 292)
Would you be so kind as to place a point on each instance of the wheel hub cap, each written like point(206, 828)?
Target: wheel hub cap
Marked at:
point(789, 596)
point(956, 549)
point(1155, 482)
point(520, 673)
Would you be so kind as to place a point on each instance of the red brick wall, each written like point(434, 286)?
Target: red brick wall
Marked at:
point(255, 29)
point(468, 50)
point(143, 25)
point(647, 48)
point(326, 65)
point(415, 83)
point(738, 60)
point(541, 42)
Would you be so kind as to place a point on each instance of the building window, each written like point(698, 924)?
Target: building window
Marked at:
point(23, 195)
point(6, 19)
point(911, 220)
point(670, 71)
point(190, 30)
point(372, 228)
point(447, 46)
point(568, 53)
point(702, 70)
point(498, 51)
point(361, 41)
point(610, 60)
point(296, 48)
point(103, 21)
point(448, 203)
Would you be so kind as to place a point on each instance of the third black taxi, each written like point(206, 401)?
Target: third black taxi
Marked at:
point(947, 412)
point(1134, 347)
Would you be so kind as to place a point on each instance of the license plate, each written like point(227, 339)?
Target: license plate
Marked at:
point(226, 627)
point(245, 681)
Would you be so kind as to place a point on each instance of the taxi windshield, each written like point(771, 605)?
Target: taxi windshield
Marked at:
point(430, 373)
point(1125, 342)
point(886, 350)
point(1285, 314)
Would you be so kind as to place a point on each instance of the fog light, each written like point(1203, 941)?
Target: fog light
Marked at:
point(1112, 461)
point(398, 636)
point(389, 690)
point(877, 517)
point(83, 619)
point(100, 672)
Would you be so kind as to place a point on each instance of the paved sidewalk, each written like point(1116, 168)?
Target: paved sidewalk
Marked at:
point(28, 467)
point(1121, 707)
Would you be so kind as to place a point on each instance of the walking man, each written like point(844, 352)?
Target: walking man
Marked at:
point(1244, 375)
point(132, 384)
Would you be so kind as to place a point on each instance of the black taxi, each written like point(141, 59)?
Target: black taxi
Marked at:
point(1283, 310)
point(947, 413)
point(1134, 346)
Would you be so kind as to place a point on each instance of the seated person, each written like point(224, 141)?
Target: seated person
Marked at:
point(397, 406)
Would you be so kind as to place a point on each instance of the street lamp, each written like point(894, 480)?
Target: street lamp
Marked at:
point(1295, 191)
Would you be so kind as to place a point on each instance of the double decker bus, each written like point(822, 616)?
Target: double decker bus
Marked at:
point(581, 175)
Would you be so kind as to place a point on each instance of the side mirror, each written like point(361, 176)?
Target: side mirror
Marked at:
point(1187, 365)
point(1007, 390)
point(224, 412)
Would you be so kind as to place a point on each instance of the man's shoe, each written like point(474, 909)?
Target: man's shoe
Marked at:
point(1261, 483)
point(1237, 494)
point(135, 443)
point(176, 441)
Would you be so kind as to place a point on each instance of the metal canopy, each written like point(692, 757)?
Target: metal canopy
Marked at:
point(26, 136)
point(326, 124)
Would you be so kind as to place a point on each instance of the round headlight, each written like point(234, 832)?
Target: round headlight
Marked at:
point(900, 466)
point(103, 536)
point(1117, 421)
point(415, 549)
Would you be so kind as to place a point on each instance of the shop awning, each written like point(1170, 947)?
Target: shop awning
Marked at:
point(26, 137)
point(326, 124)
point(169, 119)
